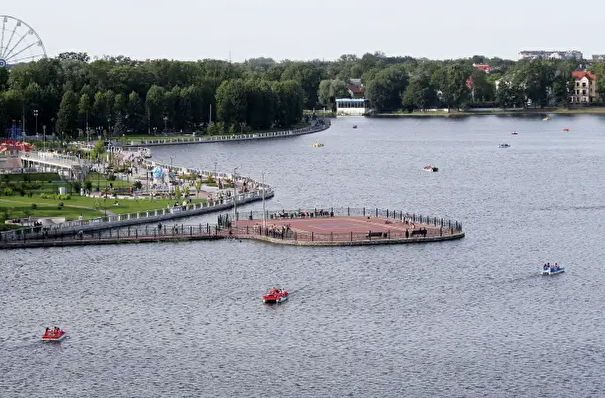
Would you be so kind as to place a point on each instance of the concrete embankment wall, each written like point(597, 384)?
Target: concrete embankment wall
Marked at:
point(239, 137)
point(374, 241)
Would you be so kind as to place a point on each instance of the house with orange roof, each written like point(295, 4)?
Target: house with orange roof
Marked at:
point(355, 91)
point(483, 67)
point(585, 87)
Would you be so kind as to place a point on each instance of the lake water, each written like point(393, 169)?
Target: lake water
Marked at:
point(464, 318)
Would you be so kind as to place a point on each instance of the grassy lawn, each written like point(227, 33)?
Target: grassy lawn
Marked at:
point(36, 183)
point(23, 209)
point(70, 209)
point(100, 180)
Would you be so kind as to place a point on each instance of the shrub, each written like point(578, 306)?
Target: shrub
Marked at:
point(8, 191)
point(34, 206)
point(63, 197)
point(77, 186)
point(88, 185)
point(60, 205)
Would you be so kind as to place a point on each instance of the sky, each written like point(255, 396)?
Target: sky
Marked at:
point(313, 29)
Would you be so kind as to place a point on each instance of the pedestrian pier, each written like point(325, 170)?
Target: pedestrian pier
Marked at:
point(312, 227)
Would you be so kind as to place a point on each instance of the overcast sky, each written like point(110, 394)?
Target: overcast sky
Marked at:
point(324, 29)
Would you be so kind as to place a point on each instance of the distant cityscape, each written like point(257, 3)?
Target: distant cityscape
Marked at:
point(567, 54)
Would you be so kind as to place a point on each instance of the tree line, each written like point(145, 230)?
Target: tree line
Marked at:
point(121, 95)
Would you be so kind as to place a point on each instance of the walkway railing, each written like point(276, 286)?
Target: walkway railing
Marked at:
point(434, 229)
point(225, 138)
point(141, 217)
point(397, 215)
point(127, 234)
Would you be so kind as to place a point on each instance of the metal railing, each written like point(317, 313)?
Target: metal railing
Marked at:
point(146, 216)
point(397, 215)
point(344, 237)
point(236, 137)
point(41, 238)
point(429, 228)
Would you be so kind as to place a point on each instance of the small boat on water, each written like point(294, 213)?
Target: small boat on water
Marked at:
point(318, 144)
point(504, 145)
point(54, 335)
point(275, 296)
point(429, 168)
point(546, 119)
point(566, 129)
point(354, 126)
point(514, 133)
point(549, 270)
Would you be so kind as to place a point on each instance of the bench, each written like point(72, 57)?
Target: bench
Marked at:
point(377, 234)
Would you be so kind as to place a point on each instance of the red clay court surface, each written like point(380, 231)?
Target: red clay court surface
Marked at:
point(338, 225)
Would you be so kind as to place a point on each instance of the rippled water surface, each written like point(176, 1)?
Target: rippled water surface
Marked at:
point(454, 319)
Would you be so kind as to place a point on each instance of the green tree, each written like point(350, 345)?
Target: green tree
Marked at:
point(154, 105)
point(385, 89)
point(508, 94)
point(308, 75)
point(451, 82)
point(98, 150)
point(100, 109)
point(482, 90)
point(563, 83)
point(136, 112)
point(419, 94)
point(232, 101)
point(289, 98)
point(67, 120)
point(3, 79)
point(599, 70)
point(331, 89)
point(536, 78)
point(120, 103)
point(84, 108)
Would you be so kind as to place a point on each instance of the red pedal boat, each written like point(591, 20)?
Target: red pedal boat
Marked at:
point(275, 296)
point(54, 334)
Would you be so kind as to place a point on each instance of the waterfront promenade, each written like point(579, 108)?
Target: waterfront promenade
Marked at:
point(316, 127)
point(52, 161)
point(312, 227)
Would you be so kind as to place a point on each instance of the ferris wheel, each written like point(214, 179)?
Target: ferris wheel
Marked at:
point(19, 42)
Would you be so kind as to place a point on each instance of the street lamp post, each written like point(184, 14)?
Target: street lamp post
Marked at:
point(165, 124)
point(215, 175)
point(170, 176)
point(234, 198)
point(87, 131)
point(44, 133)
point(36, 116)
